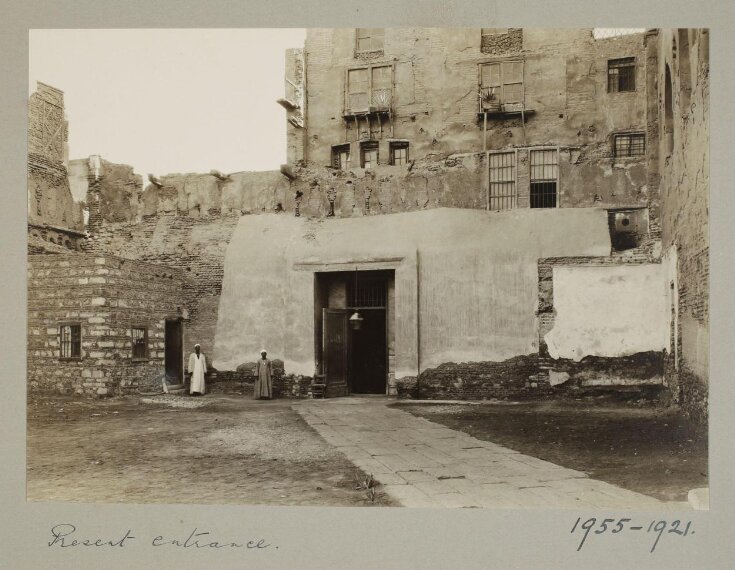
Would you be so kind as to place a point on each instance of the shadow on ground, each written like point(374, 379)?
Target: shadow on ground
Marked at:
point(649, 450)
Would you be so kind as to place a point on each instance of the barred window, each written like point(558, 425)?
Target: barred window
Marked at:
point(399, 153)
point(369, 154)
point(70, 341)
point(544, 178)
point(633, 144)
point(621, 75)
point(367, 292)
point(341, 157)
point(140, 343)
point(370, 39)
point(503, 195)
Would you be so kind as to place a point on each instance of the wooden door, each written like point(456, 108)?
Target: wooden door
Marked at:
point(336, 351)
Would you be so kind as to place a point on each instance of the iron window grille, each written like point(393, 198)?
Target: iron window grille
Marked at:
point(369, 88)
point(341, 157)
point(368, 293)
point(399, 153)
point(630, 144)
point(369, 154)
point(369, 39)
point(502, 179)
point(70, 341)
point(544, 178)
point(140, 343)
point(621, 75)
point(501, 83)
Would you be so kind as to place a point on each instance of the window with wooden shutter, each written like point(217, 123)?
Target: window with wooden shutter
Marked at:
point(357, 89)
point(501, 82)
point(370, 39)
point(369, 88)
point(341, 157)
point(380, 87)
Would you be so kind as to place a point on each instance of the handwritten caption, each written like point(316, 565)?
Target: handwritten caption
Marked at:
point(65, 536)
point(656, 528)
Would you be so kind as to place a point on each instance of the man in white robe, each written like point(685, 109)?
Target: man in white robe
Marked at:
point(197, 370)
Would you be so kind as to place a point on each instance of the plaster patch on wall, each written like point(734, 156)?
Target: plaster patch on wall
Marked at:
point(608, 311)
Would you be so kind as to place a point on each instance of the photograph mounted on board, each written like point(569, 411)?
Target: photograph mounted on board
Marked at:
point(382, 267)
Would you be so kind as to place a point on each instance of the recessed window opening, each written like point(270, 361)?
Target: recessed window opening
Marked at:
point(140, 343)
point(70, 341)
point(369, 154)
point(399, 153)
point(544, 178)
point(502, 175)
point(629, 144)
point(621, 75)
point(341, 157)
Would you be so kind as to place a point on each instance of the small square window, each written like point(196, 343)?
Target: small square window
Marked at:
point(621, 75)
point(369, 154)
point(70, 341)
point(633, 144)
point(140, 343)
point(399, 153)
point(369, 39)
point(341, 157)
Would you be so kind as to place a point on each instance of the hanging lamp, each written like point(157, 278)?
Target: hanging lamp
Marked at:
point(356, 318)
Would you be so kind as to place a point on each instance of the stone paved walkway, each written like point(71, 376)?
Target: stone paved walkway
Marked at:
point(424, 464)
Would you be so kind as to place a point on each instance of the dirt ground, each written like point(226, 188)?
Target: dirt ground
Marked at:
point(183, 449)
point(645, 449)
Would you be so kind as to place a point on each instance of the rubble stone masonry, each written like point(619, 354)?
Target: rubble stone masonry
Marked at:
point(106, 296)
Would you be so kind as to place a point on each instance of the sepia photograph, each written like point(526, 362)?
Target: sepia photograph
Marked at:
point(435, 268)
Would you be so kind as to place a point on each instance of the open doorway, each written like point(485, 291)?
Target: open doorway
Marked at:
point(173, 351)
point(353, 360)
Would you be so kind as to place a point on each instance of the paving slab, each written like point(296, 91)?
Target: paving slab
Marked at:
point(423, 464)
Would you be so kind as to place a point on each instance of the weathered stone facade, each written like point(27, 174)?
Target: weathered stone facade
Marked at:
point(53, 215)
point(106, 296)
point(682, 104)
point(435, 106)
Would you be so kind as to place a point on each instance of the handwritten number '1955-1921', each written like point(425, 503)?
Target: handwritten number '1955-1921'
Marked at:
point(615, 526)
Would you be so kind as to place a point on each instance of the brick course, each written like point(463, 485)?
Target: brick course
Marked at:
point(107, 296)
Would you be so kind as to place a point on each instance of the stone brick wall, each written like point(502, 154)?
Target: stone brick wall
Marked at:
point(683, 164)
point(107, 296)
point(513, 378)
point(49, 197)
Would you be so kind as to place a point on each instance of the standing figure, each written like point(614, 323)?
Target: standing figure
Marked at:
point(197, 370)
point(263, 378)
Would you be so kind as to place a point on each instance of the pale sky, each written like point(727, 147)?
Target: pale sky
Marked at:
point(166, 101)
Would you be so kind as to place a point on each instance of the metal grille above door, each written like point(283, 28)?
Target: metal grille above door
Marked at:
point(367, 293)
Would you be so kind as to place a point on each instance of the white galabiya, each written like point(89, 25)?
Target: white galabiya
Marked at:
point(197, 369)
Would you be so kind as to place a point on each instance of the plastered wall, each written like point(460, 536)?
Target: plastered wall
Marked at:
point(465, 281)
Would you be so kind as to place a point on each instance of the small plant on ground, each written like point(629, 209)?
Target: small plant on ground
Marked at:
point(368, 485)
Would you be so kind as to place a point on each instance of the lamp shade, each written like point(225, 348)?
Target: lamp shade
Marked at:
point(356, 321)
